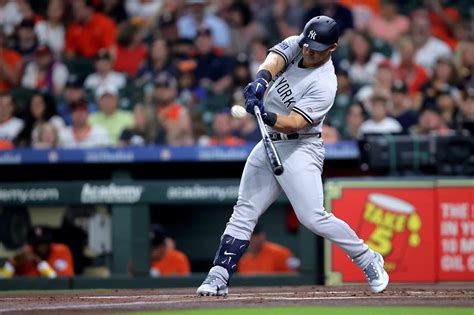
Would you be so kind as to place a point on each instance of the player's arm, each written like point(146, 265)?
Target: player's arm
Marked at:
point(287, 124)
point(274, 63)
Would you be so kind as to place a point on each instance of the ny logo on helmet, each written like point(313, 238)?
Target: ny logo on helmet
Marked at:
point(312, 35)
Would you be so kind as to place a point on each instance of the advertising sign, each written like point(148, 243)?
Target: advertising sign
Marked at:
point(455, 210)
point(392, 217)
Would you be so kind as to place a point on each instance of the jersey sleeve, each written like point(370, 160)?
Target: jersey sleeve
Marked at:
point(315, 104)
point(288, 49)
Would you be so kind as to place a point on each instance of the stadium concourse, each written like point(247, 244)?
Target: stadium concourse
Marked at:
point(115, 301)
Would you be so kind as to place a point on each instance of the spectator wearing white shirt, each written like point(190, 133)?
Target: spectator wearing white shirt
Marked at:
point(362, 62)
point(379, 122)
point(428, 48)
point(51, 31)
point(81, 134)
point(104, 74)
point(10, 126)
point(10, 16)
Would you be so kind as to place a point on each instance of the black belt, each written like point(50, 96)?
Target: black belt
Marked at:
point(275, 136)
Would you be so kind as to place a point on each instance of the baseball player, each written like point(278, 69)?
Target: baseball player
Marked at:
point(299, 76)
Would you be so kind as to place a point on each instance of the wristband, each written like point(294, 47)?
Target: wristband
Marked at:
point(269, 118)
point(264, 74)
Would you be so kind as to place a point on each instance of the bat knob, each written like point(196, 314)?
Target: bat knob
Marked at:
point(278, 170)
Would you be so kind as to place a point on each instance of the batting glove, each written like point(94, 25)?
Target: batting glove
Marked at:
point(250, 103)
point(256, 89)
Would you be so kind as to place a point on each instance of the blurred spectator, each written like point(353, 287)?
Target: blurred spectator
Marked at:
point(190, 92)
point(104, 74)
point(240, 77)
point(246, 128)
point(139, 134)
point(265, 257)
point(114, 9)
point(89, 32)
point(408, 70)
point(167, 26)
point(190, 23)
point(42, 257)
point(41, 108)
point(144, 10)
point(258, 53)
point(428, 47)
point(27, 12)
point(81, 134)
point(10, 65)
point(344, 95)
point(465, 65)
point(165, 259)
point(10, 16)
point(430, 122)
point(382, 85)
point(222, 131)
point(73, 92)
point(389, 25)
point(341, 14)
point(362, 61)
point(109, 116)
point(26, 41)
point(330, 134)
point(444, 80)
point(243, 28)
point(281, 19)
point(51, 31)
point(45, 73)
point(173, 118)
point(379, 122)
point(466, 115)
point(131, 51)
point(158, 61)
point(444, 21)
point(448, 107)
point(47, 137)
point(362, 11)
point(213, 67)
point(401, 106)
point(10, 126)
point(356, 115)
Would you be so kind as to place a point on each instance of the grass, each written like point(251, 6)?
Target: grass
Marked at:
point(323, 310)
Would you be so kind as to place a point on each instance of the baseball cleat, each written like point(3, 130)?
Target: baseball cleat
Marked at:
point(213, 285)
point(376, 274)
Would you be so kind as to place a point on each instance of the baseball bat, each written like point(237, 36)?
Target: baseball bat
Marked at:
point(270, 149)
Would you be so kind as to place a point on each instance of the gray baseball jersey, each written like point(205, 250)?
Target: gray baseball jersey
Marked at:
point(311, 93)
point(307, 91)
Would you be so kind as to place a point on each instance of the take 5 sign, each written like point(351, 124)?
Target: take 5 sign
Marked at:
point(424, 231)
point(395, 218)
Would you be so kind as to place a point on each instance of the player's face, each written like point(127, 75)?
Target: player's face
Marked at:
point(313, 58)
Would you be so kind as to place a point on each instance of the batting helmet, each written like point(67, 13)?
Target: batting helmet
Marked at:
point(319, 33)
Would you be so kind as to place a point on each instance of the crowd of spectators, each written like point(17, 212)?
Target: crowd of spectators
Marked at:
point(97, 73)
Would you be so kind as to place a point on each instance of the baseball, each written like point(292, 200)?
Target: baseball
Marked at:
point(238, 111)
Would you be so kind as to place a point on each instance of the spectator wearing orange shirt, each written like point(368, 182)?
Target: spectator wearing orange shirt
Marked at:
point(89, 32)
point(41, 257)
point(444, 21)
point(264, 257)
point(10, 65)
point(165, 259)
point(222, 127)
point(174, 121)
point(131, 51)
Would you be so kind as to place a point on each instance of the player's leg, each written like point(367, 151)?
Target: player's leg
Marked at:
point(257, 191)
point(302, 183)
